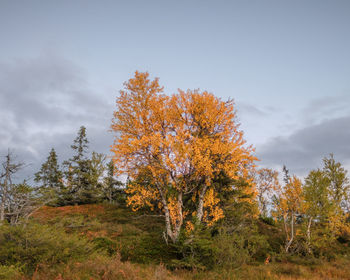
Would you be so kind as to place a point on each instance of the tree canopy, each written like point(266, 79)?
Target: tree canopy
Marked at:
point(175, 145)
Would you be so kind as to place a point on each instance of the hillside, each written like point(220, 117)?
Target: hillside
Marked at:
point(103, 241)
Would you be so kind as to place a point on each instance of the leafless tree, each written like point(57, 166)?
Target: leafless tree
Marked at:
point(9, 169)
point(16, 200)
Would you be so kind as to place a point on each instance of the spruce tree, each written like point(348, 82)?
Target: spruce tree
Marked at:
point(96, 172)
point(77, 171)
point(50, 176)
point(111, 184)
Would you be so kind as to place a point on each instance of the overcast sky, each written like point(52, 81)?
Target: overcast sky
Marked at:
point(285, 63)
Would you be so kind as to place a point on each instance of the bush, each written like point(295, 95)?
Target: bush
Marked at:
point(30, 244)
point(9, 272)
point(106, 244)
point(195, 251)
point(243, 246)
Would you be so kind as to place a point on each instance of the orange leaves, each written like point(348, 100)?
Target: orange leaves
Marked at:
point(140, 196)
point(189, 129)
point(180, 141)
point(206, 133)
point(138, 119)
point(294, 195)
point(213, 212)
point(173, 205)
point(189, 227)
point(290, 198)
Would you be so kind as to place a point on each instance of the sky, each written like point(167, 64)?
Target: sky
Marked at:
point(285, 63)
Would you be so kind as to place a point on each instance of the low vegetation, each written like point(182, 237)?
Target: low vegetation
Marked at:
point(106, 241)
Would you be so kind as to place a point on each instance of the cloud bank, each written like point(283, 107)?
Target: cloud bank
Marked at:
point(43, 102)
point(326, 130)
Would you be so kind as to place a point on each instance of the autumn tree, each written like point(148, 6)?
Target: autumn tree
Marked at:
point(339, 195)
point(289, 204)
point(266, 181)
point(172, 147)
point(338, 182)
point(318, 209)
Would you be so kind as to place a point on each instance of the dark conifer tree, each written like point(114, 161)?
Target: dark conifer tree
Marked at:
point(111, 184)
point(50, 176)
point(77, 171)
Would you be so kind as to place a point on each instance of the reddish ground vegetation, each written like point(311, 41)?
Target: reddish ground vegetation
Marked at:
point(89, 210)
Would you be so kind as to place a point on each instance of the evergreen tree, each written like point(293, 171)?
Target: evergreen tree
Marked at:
point(111, 184)
point(95, 177)
point(77, 171)
point(286, 176)
point(50, 176)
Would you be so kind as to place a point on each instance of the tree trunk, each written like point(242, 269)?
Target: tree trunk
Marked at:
point(289, 243)
point(2, 210)
point(5, 188)
point(309, 235)
point(200, 205)
point(169, 232)
point(179, 222)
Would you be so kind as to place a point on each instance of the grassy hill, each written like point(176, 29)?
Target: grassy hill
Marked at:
point(112, 242)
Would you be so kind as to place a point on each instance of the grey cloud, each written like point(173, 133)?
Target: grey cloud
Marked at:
point(43, 102)
point(304, 149)
point(326, 108)
point(249, 109)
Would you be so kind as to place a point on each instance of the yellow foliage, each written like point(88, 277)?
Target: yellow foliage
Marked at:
point(290, 198)
point(180, 141)
point(213, 212)
point(189, 227)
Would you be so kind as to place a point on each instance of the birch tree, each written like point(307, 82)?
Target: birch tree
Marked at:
point(178, 144)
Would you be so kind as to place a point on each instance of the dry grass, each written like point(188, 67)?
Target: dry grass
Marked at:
point(281, 271)
point(104, 268)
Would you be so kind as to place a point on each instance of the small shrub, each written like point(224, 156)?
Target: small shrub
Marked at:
point(32, 243)
point(9, 272)
point(235, 249)
point(195, 251)
point(106, 244)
